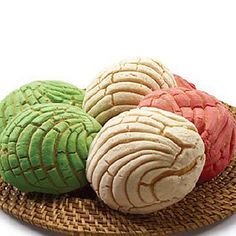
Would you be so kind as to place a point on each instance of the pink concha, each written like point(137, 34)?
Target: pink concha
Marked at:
point(214, 122)
point(183, 82)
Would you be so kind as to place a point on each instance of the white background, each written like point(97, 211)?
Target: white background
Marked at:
point(74, 40)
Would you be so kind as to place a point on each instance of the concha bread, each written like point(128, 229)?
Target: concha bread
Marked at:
point(121, 87)
point(214, 122)
point(38, 92)
point(144, 160)
point(45, 147)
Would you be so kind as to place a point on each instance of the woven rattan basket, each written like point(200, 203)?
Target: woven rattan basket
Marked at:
point(73, 214)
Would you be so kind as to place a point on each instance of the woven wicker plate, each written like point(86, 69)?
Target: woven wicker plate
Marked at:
point(73, 214)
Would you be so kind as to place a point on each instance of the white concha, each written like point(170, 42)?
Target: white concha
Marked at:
point(121, 87)
point(144, 160)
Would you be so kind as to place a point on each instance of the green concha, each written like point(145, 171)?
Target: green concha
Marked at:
point(45, 147)
point(38, 92)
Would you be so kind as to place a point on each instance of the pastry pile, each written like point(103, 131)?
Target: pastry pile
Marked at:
point(141, 136)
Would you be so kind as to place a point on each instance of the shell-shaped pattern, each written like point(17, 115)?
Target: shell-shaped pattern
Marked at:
point(121, 87)
point(183, 82)
point(45, 147)
point(144, 160)
point(214, 122)
point(38, 92)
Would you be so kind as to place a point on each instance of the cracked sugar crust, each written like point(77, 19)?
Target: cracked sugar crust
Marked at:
point(214, 122)
point(121, 87)
point(38, 92)
point(144, 160)
point(44, 148)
